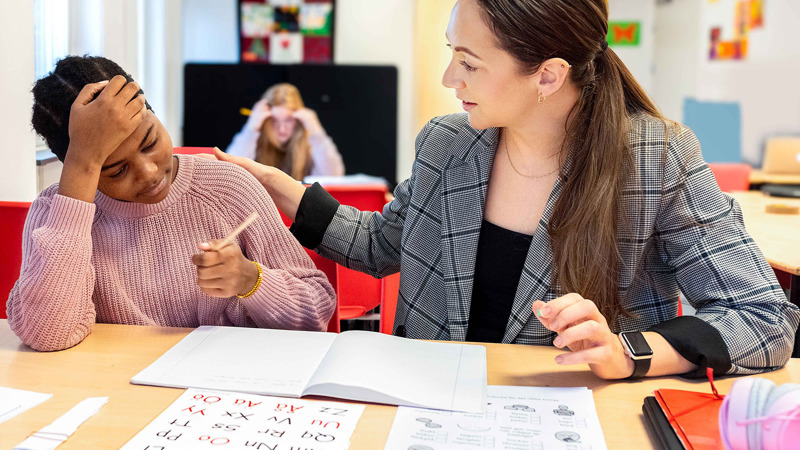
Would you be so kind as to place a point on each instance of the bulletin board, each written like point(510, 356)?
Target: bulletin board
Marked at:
point(286, 31)
point(731, 23)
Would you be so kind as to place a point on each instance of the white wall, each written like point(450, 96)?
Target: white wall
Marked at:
point(638, 59)
point(209, 31)
point(677, 55)
point(18, 167)
point(382, 32)
point(161, 47)
point(376, 32)
point(764, 84)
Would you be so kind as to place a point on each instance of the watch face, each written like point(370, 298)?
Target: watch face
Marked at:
point(637, 345)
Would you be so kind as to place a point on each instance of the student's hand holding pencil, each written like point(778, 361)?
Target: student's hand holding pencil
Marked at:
point(222, 269)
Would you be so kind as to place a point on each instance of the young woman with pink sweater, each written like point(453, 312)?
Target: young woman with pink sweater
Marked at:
point(129, 233)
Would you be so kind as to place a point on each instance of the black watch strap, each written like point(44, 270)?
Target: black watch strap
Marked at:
point(640, 368)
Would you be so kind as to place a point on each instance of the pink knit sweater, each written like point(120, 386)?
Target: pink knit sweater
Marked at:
point(130, 263)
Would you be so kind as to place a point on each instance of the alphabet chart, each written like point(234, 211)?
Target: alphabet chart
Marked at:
point(516, 418)
point(203, 419)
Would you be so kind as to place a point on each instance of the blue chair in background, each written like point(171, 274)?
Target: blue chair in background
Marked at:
point(718, 126)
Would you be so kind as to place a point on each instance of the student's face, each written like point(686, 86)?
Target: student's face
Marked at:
point(283, 122)
point(141, 169)
point(486, 79)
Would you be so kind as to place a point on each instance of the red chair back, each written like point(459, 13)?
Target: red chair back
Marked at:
point(731, 176)
point(192, 150)
point(358, 292)
point(391, 286)
point(12, 220)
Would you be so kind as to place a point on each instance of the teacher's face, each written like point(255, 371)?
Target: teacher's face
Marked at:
point(486, 79)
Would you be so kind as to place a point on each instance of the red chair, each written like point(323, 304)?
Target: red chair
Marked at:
point(390, 290)
point(12, 220)
point(359, 292)
point(731, 176)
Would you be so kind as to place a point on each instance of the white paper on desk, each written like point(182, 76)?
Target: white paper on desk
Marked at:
point(363, 365)
point(209, 419)
point(517, 418)
point(237, 359)
point(62, 428)
point(14, 402)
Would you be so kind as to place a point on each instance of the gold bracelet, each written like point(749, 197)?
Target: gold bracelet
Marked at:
point(258, 282)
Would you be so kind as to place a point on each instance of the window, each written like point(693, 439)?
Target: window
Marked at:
point(50, 40)
point(50, 34)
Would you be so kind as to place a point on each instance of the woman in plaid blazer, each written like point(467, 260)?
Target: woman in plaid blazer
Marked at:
point(561, 209)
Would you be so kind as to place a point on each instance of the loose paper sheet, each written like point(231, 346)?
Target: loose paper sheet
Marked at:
point(14, 402)
point(202, 418)
point(517, 418)
point(62, 428)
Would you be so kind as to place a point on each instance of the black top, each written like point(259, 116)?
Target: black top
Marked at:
point(498, 267)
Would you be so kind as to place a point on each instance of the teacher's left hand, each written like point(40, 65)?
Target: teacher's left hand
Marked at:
point(585, 331)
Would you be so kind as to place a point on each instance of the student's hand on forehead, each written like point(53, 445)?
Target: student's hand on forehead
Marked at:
point(97, 127)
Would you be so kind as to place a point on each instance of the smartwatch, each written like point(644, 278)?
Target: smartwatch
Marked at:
point(636, 347)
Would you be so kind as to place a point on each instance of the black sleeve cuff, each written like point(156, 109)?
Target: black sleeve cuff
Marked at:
point(698, 342)
point(314, 214)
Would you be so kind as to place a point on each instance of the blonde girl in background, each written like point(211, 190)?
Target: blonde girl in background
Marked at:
point(281, 132)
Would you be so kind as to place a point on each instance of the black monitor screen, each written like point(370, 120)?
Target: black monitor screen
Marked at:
point(357, 106)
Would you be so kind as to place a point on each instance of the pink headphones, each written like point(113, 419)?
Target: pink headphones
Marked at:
point(758, 415)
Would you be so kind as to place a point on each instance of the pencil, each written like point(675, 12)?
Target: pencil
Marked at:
point(227, 240)
point(244, 111)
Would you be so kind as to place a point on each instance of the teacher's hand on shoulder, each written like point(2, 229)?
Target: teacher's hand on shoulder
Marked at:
point(582, 329)
point(285, 191)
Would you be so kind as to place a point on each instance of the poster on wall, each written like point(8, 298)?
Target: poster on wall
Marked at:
point(286, 31)
point(731, 24)
point(624, 33)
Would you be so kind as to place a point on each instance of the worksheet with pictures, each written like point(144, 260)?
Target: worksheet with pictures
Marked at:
point(516, 418)
point(228, 420)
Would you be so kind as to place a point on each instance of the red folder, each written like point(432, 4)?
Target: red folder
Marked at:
point(694, 417)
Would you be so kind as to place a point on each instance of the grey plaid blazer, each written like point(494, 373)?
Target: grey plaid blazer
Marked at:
point(682, 234)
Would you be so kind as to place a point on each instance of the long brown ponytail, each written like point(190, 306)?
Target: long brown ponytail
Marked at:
point(584, 226)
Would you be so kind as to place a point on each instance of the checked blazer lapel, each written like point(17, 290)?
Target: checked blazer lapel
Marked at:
point(534, 283)
point(463, 193)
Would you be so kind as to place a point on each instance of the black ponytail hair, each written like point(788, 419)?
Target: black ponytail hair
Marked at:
point(54, 95)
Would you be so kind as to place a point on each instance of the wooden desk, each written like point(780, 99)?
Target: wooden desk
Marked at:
point(757, 176)
point(104, 363)
point(778, 237)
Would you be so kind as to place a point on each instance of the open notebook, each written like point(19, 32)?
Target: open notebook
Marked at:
point(355, 365)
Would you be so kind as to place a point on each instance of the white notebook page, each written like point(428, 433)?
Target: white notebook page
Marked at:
point(258, 361)
point(386, 369)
